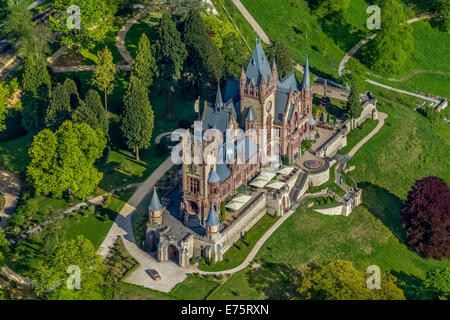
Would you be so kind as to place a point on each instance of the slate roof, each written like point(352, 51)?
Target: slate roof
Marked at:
point(213, 176)
point(258, 65)
point(213, 219)
point(312, 122)
point(306, 83)
point(155, 204)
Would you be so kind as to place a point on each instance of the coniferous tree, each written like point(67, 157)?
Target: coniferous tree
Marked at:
point(145, 65)
point(104, 73)
point(137, 118)
point(92, 112)
point(170, 55)
point(204, 61)
point(64, 100)
point(283, 57)
point(36, 88)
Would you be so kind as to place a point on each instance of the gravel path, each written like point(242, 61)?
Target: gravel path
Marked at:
point(10, 186)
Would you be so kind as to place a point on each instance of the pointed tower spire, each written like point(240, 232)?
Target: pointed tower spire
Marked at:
point(219, 102)
point(306, 83)
point(155, 204)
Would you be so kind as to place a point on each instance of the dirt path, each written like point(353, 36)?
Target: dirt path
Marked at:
point(10, 186)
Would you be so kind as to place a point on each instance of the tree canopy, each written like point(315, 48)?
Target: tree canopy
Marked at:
point(4, 97)
point(203, 61)
point(96, 21)
point(92, 112)
point(331, 8)
point(390, 50)
point(104, 73)
point(3, 245)
point(63, 161)
point(283, 57)
point(137, 118)
point(55, 280)
point(170, 55)
point(438, 283)
point(340, 280)
point(442, 11)
point(36, 89)
point(145, 65)
point(64, 100)
point(425, 217)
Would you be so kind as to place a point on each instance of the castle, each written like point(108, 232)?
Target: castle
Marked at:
point(218, 202)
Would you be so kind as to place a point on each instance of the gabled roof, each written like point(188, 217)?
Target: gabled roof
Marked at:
point(213, 176)
point(289, 82)
point(213, 219)
point(155, 204)
point(258, 65)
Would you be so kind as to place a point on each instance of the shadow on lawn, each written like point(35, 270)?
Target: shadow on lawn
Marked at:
point(385, 206)
point(276, 280)
point(412, 286)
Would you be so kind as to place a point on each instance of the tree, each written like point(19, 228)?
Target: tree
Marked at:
point(36, 90)
point(389, 51)
point(96, 20)
point(137, 118)
point(340, 280)
point(30, 38)
point(92, 112)
point(4, 244)
point(63, 101)
point(331, 8)
point(170, 55)
point(438, 283)
point(203, 61)
point(64, 161)
point(145, 66)
point(282, 55)
point(54, 276)
point(425, 217)
point(4, 97)
point(104, 73)
point(227, 40)
point(223, 211)
point(353, 107)
point(442, 11)
point(353, 74)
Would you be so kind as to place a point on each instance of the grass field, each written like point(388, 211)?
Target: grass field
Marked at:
point(195, 287)
point(358, 134)
point(29, 252)
point(241, 249)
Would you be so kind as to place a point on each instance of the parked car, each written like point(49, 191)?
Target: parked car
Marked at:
point(154, 274)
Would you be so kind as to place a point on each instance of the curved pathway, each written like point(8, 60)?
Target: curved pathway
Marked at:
point(364, 41)
point(120, 44)
point(10, 186)
point(381, 117)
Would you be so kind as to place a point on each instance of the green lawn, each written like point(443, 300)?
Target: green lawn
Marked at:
point(358, 134)
point(195, 287)
point(14, 154)
point(241, 249)
point(89, 226)
point(330, 184)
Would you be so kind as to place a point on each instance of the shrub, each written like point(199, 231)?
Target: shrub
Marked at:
point(107, 201)
point(2, 201)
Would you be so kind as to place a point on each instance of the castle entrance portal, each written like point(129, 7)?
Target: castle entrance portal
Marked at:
point(192, 207)
point(172, 253)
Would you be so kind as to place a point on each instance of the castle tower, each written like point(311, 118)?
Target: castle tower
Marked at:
point(274, 71)
point(214, 186)
point(212, 223)
point(155, 209)
point(306, 83)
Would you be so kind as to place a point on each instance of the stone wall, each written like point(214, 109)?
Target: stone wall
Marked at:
point(243, 223)
point(332, 211)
